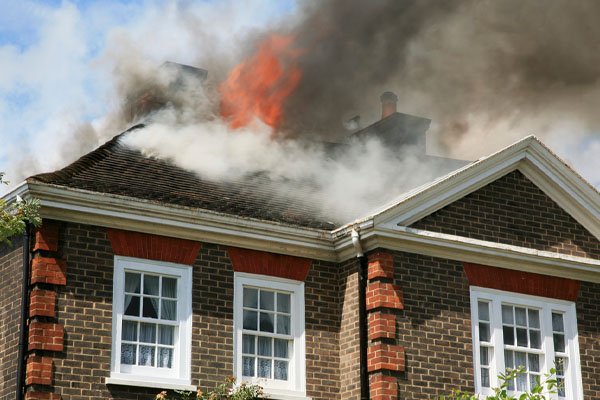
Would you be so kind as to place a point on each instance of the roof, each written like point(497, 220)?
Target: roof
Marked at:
point(117, 169)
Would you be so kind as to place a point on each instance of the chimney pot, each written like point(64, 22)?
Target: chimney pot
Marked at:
point(388, 104)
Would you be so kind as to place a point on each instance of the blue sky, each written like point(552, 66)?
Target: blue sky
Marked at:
point(57, 59)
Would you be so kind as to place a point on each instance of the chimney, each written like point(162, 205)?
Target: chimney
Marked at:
point(388, 104)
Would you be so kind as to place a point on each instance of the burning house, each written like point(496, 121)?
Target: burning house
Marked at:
point(151, 273)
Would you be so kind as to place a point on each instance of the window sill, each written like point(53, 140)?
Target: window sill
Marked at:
point(166, 385)
point(284, 395)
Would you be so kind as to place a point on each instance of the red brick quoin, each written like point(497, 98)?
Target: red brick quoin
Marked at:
point(262, 262)
point(46, 237)
point(41, 303)
point(46, 336)
point(153, 247)
point(39, 371)
point(42, 396)
point(382, 326)
point(383, 387)
point(48, 270)
point(381, 265)
point(382, 356)
point(384, 295)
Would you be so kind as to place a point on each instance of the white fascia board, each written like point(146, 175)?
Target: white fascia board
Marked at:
point(463, 249)
point(448, 191)
point(121, 212)
point(20, 190)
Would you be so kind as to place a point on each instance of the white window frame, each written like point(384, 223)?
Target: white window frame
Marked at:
point(295, 387)
point(546, 306)
point(178, 377)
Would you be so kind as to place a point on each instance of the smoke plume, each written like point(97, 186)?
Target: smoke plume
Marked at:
point(486, 72)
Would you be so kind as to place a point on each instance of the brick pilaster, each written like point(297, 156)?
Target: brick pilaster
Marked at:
point(385, 357)
point(46, 336)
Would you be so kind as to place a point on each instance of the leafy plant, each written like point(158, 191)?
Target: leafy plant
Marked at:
point(501, 393)
point(14, 216)
point(225, 391)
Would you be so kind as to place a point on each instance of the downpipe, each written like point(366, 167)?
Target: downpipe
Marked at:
point(24, 308)
point(362, 315)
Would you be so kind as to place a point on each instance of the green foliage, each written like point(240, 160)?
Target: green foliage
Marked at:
point(14, 216)
point(501, 393)
point(225, 391)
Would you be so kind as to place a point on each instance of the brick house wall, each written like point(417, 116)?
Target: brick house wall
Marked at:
point(11, 263)
point(84, 308)
point(512, 210)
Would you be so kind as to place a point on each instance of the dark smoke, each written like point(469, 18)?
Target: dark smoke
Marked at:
point(468, 65)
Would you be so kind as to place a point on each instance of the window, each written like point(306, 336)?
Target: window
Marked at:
point(269, 334)
point(512, 330)
point(151, 324)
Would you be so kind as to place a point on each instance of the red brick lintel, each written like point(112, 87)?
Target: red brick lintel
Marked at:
point(262, 262)
point(153, 247)
point(522, 282)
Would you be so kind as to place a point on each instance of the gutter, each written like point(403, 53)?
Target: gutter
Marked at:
point(362, 315)
point(24, 309)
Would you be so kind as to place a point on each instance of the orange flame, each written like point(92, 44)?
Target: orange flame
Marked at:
point(258, 86)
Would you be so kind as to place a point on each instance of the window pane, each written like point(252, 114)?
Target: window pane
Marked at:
point(521, 316)
point(281, 348)
point(559, 343)
point(264, 368)
point(283, 302)
point(128, 354)
point(165, 357)
point(248, 366)
point(264, 346)
point(485, 377)
point(147, 333)
point(151, 285)
point(147, 356)
point(169, 287)
point(559, 364)
point(484, 357)
point(150, 308)
point(129, 331)
point(132, 282)
point(250, 298)
point(250, 320)
point(267, 300)
point(561, 387)
point(534, 318)
point(281, 370)
point(132, 305)
point(248, 344)
point(557, 322)
point(166, 334)
point(522, 382)
point(266, 322)
point(535, 340)
point(522, 337)
point(534, 362)
point(169, 310)
point(509, 335)
point(508, 359)
point(507, 315)
point(520, 359)
point(283, 324)
point(534, 380)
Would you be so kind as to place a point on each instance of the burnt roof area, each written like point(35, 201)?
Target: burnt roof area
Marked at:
point(117, 169)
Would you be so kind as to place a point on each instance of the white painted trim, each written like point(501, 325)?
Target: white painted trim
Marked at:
point(546, 307)
point(180, 374)
point(168, 385)
point(296, 386)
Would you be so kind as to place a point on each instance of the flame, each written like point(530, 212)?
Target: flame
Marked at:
point(258, 86)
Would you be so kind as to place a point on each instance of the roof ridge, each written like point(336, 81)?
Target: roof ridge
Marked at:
point(83, 162)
